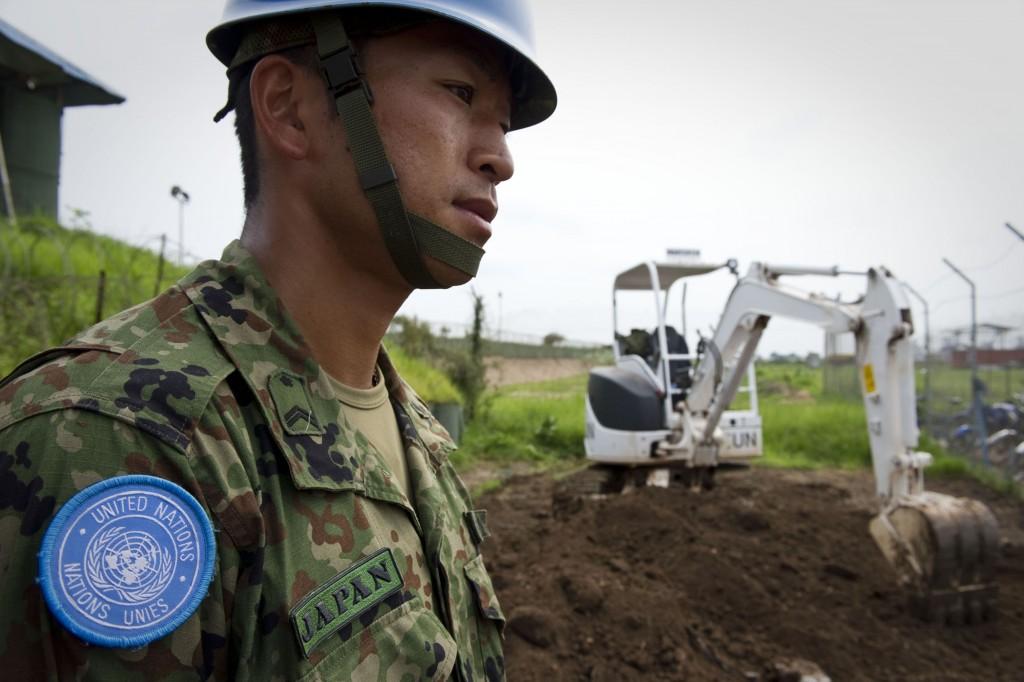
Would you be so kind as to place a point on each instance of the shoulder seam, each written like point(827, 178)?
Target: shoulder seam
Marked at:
point(90, 402)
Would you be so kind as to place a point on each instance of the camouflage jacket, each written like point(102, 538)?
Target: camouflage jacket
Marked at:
point(211, 386)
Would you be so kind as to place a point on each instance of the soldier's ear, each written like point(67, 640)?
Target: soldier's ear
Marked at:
point(281, 106)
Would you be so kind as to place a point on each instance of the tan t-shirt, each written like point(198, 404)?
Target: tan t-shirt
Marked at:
point(369, 411)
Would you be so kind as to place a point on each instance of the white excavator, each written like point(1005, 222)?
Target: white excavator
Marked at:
point(662, 415)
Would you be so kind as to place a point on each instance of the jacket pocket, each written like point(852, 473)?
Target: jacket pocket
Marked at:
point(490, 619)
point(407, 643)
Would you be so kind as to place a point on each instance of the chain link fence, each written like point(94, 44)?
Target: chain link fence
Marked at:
point(990, 434)
point(56, 281)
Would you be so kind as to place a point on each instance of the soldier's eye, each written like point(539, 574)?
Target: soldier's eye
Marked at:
point(462, 91)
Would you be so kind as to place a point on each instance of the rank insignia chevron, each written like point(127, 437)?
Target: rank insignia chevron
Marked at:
point(294, 407)
point(297, 415)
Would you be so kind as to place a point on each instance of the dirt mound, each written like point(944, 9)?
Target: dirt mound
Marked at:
point(770, 576)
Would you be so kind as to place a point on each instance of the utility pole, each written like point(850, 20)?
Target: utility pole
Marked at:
point(182, 197)
point(499, 316)
point(979, 418)
point(160, 265)
point(1015, 231)
point(927, 355)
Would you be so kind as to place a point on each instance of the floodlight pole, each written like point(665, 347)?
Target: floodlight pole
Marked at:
point(182, 197)
point(1015, 231)
point(979, 419)
point(927, 354)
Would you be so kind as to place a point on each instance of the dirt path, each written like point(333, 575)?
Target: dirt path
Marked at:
point(723, 585)
point(504, 371)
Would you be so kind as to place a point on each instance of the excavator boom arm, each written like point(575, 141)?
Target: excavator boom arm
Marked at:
point(756, 298)
point(943, 548)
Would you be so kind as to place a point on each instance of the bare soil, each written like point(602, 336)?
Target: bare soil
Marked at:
point(771, 572)
point(504, 371)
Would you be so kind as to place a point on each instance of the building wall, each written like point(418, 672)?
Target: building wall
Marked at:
point(30, 123)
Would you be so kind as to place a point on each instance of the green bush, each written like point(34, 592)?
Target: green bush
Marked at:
point(461, 362)
point(429, 382)
point(541, 422)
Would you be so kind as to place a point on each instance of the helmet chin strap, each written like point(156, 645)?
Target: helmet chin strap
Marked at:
point(408, 237)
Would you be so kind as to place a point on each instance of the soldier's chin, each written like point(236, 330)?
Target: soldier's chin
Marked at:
point(444, 274)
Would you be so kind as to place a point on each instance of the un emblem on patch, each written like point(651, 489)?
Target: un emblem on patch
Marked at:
point(127, 561)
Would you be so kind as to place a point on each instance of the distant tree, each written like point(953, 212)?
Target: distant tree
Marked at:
point(467, 370)
point(553, 339)
point(415, 337)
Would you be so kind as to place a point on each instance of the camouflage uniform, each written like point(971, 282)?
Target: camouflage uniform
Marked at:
point(210, 385)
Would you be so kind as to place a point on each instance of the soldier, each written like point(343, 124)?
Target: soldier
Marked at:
point(231, 481)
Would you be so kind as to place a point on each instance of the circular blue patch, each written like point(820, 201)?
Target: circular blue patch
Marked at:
point(127, 561)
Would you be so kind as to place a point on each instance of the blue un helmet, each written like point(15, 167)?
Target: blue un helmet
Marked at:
point(507, 21)
point(251, 29)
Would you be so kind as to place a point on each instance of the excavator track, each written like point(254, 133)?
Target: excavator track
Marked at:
point(592, 482)
point(602, 480)
point(945, 550)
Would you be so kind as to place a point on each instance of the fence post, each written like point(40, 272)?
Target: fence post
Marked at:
point(927, 357)
point(979, 417)
point(100, 293)
point(160, 264)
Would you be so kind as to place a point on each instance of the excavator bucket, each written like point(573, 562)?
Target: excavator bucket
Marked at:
point(944, 550)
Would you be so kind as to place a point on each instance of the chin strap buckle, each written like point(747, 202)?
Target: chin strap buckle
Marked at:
point(341, 70)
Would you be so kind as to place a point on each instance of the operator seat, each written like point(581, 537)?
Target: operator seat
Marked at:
point(638, 342)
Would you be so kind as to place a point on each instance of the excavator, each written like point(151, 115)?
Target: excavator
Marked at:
point(661, 415)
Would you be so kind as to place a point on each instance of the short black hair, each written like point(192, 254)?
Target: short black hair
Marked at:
point(362, 23)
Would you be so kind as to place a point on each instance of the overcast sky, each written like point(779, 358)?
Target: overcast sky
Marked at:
point(802, 131)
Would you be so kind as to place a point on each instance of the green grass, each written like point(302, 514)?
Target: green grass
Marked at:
point(430, 383)
point(950, 386)
point(946, 465)
point(542, 423)
point(814, 433)
point(50, 276)
point(539, 422)
point(951, 382)
point(786, 379)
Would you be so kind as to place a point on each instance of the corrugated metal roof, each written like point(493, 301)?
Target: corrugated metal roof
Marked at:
point(23, 57)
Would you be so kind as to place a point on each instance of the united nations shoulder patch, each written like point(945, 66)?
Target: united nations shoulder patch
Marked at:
point(127, 561)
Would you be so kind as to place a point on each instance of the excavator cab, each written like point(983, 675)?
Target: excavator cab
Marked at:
point(633, 405)
point(644, 343)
